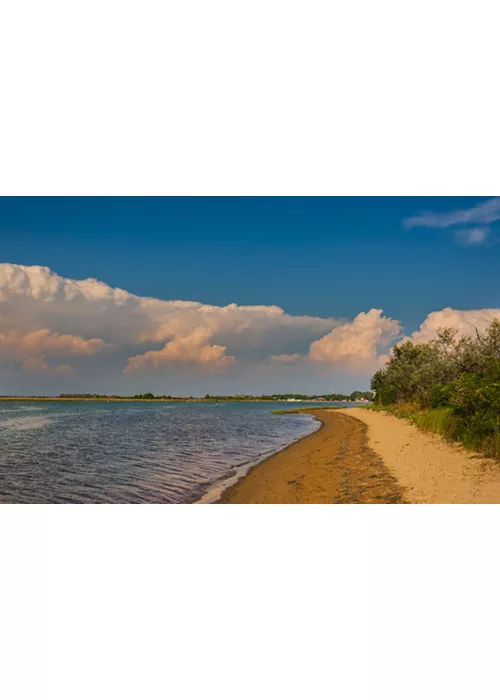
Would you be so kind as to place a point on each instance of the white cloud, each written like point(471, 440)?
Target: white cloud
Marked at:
point(194, 348)
point(485, 213)
point(15, 345)
point(49, 323)
point(464, 323)
point(83, 317)
point(356, 346)
point(472, 236)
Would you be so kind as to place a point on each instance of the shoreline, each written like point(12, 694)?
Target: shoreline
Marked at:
point(334, 464)
point(362, 456)
point(161, 400)
point(214, 492)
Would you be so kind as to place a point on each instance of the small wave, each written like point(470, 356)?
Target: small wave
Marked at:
point(25, 423)
point(212, 491)
point(102, 453)
point(18, 409)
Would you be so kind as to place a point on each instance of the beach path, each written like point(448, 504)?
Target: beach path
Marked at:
point(429, 469)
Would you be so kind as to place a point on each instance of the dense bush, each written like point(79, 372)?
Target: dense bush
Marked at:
point(457, 379)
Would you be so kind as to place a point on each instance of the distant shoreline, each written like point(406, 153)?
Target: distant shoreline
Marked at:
point(161, 400)
point(122, 400)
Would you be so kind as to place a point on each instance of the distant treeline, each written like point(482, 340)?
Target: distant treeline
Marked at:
point(450, 385)
point(355, 396)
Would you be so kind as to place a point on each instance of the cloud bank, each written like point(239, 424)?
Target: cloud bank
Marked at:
point(57, 327)
point(45, 316)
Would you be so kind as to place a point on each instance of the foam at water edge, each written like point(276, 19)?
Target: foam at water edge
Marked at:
point(216, 489)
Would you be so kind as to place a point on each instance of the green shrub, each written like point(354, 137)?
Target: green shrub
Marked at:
point(448, 385)
point(440, 395)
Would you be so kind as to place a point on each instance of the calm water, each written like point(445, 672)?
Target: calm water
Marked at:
point(82, 452)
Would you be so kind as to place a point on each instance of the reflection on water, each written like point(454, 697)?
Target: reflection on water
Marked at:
point(83, 452)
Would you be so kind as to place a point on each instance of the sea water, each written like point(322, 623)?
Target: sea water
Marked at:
point(134, 452)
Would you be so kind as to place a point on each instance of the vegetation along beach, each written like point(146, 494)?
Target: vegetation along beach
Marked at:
point(432, 435)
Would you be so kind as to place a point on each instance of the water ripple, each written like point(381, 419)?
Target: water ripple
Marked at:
point(143, 453)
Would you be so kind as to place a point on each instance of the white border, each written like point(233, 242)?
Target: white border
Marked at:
point(267, 97)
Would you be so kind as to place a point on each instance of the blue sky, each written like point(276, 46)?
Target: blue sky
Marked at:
point(299, 253)
point(315, 257)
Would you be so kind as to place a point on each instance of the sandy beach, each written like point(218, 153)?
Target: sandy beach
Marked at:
point(362, 456)
point(333, 465)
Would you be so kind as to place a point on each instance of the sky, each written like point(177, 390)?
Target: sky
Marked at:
point(189, 296)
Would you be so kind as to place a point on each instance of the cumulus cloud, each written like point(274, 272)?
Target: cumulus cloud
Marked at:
point(98, 317)
point(356, 346)
point(464, 323)
point(16, 345)
point(29, 351)
point(194, 349)
point(469, 232)
point(50, 325)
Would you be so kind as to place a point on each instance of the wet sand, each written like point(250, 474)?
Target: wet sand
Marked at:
point(333, 465)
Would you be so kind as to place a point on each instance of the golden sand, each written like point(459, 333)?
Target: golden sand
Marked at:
point(429, 469)
point(362, 456)
point(333, 465)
